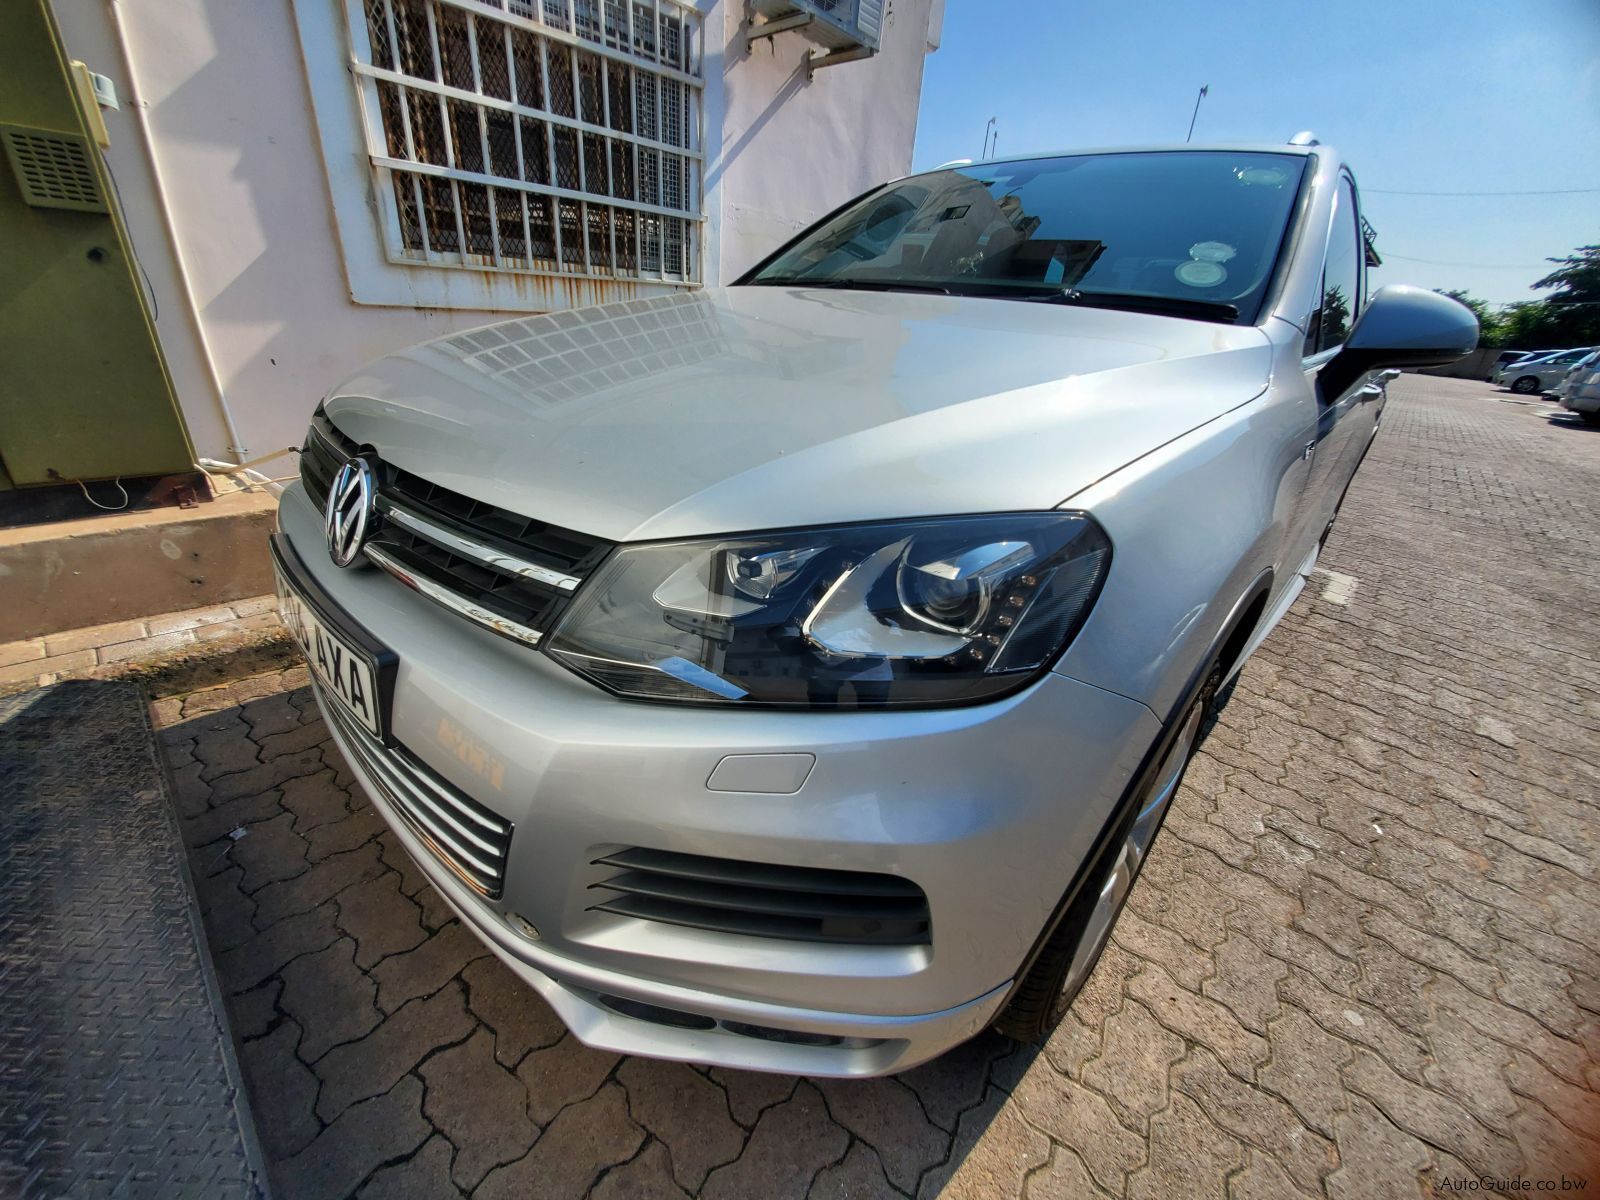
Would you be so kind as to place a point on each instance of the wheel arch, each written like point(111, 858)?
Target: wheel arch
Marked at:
point(1232, 637)
point(1244, 623)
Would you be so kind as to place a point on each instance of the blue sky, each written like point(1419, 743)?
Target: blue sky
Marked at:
point(1420, 95)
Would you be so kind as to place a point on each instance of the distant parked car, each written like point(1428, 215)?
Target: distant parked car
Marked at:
point(1530, 376)
point(1577, 372)
point(1580, 390)
point(1507, 357)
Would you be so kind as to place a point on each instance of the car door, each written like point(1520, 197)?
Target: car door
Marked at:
point(1346, 421)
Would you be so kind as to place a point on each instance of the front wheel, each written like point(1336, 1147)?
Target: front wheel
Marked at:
point(1526, 386)
point(1044, 994)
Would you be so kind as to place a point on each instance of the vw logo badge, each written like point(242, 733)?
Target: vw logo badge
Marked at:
point(349, 511)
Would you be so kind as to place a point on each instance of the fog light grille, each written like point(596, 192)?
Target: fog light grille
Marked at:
point(807, 904)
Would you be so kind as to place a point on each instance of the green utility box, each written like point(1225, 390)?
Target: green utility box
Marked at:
point(84, 391)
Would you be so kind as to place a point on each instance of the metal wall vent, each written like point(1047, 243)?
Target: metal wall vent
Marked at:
point(53, 169)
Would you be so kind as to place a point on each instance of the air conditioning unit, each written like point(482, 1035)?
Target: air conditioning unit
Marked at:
point(842, 27)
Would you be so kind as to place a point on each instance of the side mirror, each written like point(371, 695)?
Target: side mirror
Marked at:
point(1403, 326)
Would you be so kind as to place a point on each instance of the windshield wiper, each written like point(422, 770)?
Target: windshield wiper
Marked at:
point(854, 285)
point(1172, 306)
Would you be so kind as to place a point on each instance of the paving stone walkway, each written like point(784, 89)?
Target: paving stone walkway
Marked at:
point(121, 647)
point(1363, 961)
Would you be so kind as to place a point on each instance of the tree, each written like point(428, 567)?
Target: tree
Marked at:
point(1524, 326)
point(1490, 331)
point(1577, 280)
point(1569, 316)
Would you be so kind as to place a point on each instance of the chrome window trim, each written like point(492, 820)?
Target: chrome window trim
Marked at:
point(1342, 177)
point(455, 603)
point(416, 523)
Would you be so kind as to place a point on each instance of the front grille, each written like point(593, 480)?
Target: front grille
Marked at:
point(505, 571)
point(464, 835)
point(807, 904)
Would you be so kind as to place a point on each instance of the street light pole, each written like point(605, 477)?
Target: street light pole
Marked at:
point(1204, 89)
point(986, 130)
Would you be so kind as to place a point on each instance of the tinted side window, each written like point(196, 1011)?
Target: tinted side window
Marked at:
point(1341, 276)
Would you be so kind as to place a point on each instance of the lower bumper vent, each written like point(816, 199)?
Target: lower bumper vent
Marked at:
point(677, 1019)
point(806, 904)
point(469, 839)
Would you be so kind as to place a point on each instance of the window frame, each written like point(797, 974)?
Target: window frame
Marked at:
point(1311, 355)
point(344, 80)
point(1269, 293)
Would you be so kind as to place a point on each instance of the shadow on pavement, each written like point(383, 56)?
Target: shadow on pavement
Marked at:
point(387, 1052)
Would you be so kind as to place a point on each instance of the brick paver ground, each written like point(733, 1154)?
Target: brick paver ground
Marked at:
point(1363, 961)
point(121, 648)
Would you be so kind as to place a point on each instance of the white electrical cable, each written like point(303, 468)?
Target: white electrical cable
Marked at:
point(243, 476)
point(106, 507)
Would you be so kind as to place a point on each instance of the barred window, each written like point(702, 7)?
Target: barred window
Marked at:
point(549, 136)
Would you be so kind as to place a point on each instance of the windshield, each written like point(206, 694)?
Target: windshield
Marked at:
point(1195, 233)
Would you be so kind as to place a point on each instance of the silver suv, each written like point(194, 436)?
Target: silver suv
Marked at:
point(793, 675)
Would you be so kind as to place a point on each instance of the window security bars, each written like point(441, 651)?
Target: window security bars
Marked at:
point(546, 136)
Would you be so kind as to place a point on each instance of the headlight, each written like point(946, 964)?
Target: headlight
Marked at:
point(900, 613)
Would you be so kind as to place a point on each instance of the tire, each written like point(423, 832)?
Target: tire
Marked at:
point(1591, 418)
point(1039, 1002)
point(1527, 385)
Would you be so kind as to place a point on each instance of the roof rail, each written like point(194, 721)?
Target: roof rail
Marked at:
point(1304, 138)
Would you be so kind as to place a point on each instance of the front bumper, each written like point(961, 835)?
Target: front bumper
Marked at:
point(990, 810)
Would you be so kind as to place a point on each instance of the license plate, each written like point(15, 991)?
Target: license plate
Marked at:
point(346, 673)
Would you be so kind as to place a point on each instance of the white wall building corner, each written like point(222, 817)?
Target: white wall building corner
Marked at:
point(311, 187)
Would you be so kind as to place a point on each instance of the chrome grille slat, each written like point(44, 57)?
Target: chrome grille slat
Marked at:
point(432, 809)
point(486, 872)
point(459, 833)
point(441, 792)
point(505, 572)
point(430, 821)
point(446, 598)
point(477, 551)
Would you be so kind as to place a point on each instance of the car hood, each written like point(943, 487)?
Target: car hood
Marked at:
point(755, 407)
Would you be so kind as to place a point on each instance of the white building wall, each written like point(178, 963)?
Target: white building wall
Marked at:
point(228, 200)
point(793, 148)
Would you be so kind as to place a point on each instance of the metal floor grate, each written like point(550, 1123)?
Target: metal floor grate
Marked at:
point(117, 1071)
